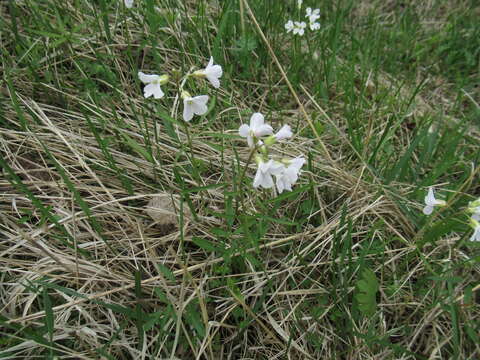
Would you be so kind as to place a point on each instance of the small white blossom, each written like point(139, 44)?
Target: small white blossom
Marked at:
point(289, 176)
point(256, 129)
point(476, 230)
point(284, 133)
point(265, 170)
point(313, 15)
point(289, 26)
point(299, 4)
point(299, 28)
point(431, 202)
point(314, 26)
point(194, 105)
point(153, 83)
point(128, 3)
point(212, 73)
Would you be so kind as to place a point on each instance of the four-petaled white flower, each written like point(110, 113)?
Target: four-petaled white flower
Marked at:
point(153, 83)
point(299, 28)
point(211, 72)
point(289, 26)
point(128, 3)
point(289, 176)
point(265, 170)
point(256, 129)
point(431, 202)
point(313, 15)
point(193, 105)
point(284, 133)
point(476, 230)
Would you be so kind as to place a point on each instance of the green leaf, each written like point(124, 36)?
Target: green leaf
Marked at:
point(366, 292)
point(138, 148)
point(206, 245)
point(49, 319)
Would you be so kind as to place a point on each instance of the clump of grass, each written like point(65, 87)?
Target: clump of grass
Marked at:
point(344, 266)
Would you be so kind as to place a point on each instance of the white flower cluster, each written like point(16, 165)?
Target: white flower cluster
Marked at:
point(298, 27)
point(473, 209)
point(285, 171)
point(192, 105)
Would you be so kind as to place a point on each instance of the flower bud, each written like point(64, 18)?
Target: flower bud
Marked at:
point(264, 150)
point(185, 95)
point(474, 206)
point(199, 74)
point(163, 79)
point(269, 141)
point(176, 74)
point(258, 159)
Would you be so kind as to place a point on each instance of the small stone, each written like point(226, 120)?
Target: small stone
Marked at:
point(164, 209)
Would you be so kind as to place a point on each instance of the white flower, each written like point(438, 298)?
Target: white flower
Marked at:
point(313, 15)
point(299, 4)
point(289, 26)
point(128, 3)
point(476, 230)
point(211, 72)
point(265, 170)
point(431, 202)
point(193, 105)
point(256, 129)
point(284, 133)
point(299, 28)
point(153, 83)
point(314, 26)
point(289, 176)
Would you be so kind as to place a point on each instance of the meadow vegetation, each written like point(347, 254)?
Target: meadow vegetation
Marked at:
point(126, 233)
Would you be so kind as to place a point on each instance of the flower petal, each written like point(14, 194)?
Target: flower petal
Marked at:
point(297, 163)
point(280, 185)
point(430, 198)
point(214, 81)
point(267, 181)
point(263, 130)
point(276, 168)
point(258, 179)
point(199, 104)
point(284, 133)
point(314, 26)
point(256, 121)
point(244, 130)
point(476, 234)
point(427, 210)
point(147, 79)
point(153, 89)
point(210, 62)
point(187, 110)
point(289, 26)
